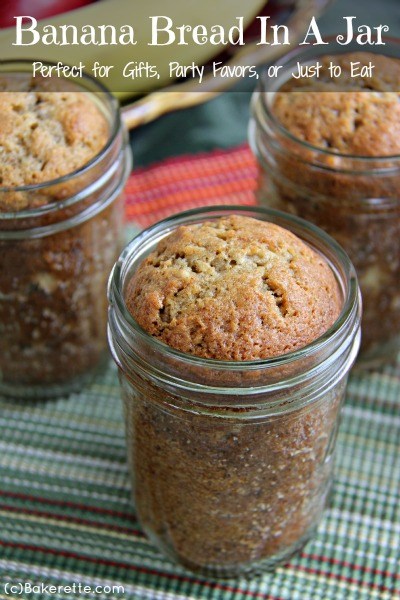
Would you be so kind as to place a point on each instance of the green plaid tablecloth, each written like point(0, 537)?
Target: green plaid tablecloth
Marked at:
point(66, 516)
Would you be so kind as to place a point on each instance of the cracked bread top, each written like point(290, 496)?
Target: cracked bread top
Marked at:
point(43, 136)
point(352, 116)
point(234, 289)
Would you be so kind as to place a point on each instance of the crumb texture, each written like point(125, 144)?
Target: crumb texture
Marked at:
point(354, 116)
point(234, 289)
point(45, 135)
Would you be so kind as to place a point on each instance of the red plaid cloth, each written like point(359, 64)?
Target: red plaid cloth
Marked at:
point(219, 177)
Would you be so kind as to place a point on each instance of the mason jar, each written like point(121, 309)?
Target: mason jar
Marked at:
point(231, 462)
point(354, 198)
point(55, 258)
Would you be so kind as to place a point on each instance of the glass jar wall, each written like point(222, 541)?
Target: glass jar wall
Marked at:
point(231, 462)
point(55, 257)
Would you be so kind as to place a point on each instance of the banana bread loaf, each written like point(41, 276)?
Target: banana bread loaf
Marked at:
point(359, 117)
point(218, 494)
point(330, 154)
point(54, 262)
point(43, 136)
point(235, 289)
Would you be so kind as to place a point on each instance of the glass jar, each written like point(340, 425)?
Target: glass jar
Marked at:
point(55, 259)
point(231, 462)
point(354, 198)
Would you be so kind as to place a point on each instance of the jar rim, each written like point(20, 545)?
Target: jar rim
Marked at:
point(115, 126)
point(284, 61)
point(346, 316)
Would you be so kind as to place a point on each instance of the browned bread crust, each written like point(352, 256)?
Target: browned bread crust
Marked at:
point(43, 136)
point(234, 289)
point(363, 120)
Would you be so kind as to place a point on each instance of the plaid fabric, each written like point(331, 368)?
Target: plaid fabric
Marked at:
point(220, 177)
point(66, 515)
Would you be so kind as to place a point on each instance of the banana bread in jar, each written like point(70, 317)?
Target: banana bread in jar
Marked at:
point(63, 164)
point(329, 151)
point(234, 330)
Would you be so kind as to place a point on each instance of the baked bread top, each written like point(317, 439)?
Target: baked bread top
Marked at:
point(234, 289)
point(352, 116)
point(43, 136)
